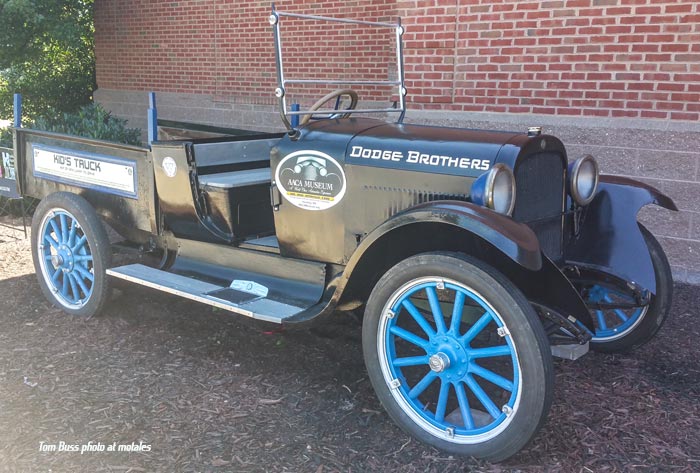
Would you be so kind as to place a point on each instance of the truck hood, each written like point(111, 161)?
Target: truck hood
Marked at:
point(410, 147)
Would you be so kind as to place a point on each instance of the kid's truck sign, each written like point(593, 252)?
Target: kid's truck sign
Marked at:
point(92, 171)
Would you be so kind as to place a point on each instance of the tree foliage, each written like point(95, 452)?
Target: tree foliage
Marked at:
point(46, 54)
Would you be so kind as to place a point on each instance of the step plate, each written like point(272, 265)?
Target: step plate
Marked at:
point(249, 305)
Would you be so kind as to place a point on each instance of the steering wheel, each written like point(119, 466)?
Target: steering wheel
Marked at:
point(336, 94)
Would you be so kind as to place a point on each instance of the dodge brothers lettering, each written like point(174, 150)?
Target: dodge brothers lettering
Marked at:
point(415, 157)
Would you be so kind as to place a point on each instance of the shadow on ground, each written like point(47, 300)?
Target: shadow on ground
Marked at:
point(211, 392)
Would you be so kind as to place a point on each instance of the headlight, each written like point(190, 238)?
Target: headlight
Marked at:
point(583, 179)
point(495, 189)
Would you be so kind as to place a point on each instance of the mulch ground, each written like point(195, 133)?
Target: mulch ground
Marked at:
point(209, 392)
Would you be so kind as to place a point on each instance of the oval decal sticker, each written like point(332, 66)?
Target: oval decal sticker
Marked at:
point(310, 180)
point(169, 166)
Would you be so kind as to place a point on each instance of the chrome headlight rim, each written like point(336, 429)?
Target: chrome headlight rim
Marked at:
point(490, 198)
point(574, 174)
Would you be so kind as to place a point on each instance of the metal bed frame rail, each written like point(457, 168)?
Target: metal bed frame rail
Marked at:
point(282, 81)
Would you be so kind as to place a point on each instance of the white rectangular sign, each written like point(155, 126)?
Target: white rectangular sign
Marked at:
point(103, 173)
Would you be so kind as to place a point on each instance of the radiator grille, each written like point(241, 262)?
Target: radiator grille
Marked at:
point(539, 182)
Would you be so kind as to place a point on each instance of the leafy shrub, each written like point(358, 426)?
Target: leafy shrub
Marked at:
point(90, 121)
point(5, 138)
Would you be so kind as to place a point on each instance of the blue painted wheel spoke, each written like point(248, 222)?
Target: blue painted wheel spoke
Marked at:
point(82, 258)
point(64, 228)
point(78, 244)
point(436, 309)
point(476, 328)
point(442, 401)
point(501, 350)
point(51, 241)
point(409, 337)
point(73, 287)
point(418, 317)
point(464, 406)
point(56, 231)
point(54, 276)
point(580, 324)
point(621, 315)
point(457, 311)
point(81, 283)
point(601, 320)
point(64, 285)
point(422, 384)
point(71, 234)
point(489, 375)
point(609, 291)
point(411, 361)
point(84, 273)
point(483, 398)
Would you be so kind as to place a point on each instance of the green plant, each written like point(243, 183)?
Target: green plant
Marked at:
point(5, 138)
point(90, 121)
point(47, 55)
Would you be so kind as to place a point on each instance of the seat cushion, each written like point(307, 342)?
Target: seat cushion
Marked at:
point(229, 180)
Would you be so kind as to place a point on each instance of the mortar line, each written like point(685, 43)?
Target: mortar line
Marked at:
point(638, 149)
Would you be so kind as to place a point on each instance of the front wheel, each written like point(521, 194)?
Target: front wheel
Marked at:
point(71, 254)
point(457, 356)
point(620, 326)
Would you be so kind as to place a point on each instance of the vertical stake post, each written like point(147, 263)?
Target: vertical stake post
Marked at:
point(152, 118)
point(295, 118)
point(18, 111)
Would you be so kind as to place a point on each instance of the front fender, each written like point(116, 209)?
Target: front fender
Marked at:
point(515, 240)
point(609, 239)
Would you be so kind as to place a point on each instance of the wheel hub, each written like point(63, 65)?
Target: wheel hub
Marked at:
point(64, 258)
point(448, 356)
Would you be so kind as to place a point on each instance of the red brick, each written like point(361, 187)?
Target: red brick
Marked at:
point(684, 116)
point(653, 114)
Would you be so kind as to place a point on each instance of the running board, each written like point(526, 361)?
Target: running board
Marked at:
point(242, 297)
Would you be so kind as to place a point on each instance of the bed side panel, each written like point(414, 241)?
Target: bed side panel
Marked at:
point(117, 180)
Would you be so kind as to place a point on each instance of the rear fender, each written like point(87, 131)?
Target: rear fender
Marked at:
point(609, 240)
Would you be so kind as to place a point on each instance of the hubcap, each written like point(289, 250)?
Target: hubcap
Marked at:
point(450, 370)
point(439, 362)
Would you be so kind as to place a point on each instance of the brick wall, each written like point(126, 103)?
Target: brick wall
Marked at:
point(600, 58)
point(226, 49)
point(605, 58)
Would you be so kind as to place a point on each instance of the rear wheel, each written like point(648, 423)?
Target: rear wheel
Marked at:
point(71, 253)
point(457, 356)
point(622, 328)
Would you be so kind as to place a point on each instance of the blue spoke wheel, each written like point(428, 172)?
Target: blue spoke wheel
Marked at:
point(71, 253)
point(613, 323)
point(619, 325)
point(457, 355)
